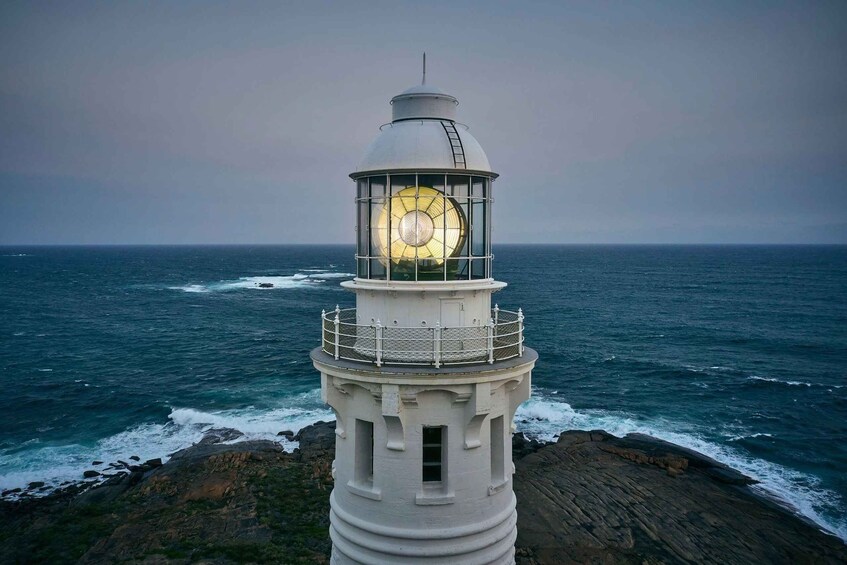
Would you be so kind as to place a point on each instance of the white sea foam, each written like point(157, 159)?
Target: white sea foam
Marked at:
point(750, 436)
point(18, 255)
point(185, 426)
point(790, 383)
point(332, 275)
point(544, 417)
point(311, 278)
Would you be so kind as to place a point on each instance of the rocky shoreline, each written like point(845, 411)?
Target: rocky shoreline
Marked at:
point(588, 498)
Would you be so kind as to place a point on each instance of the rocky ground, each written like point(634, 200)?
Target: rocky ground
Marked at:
point(596, 498)
point(590, 498)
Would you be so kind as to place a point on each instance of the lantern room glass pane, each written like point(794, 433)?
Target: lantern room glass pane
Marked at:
point(377, 269)
point(478, 187)
point(399, 182)
point(378, 187)
point(478, 232)
point(362, 268)
point(457, 269)
point(457, 186)
point(362, 190)
point(432, 181)
point(363, 228)
point(378, 226)
point(478, 269)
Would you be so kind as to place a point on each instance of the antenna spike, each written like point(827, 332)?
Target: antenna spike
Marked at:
point(424, 68)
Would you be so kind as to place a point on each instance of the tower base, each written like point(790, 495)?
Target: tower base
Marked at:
point(490, 541)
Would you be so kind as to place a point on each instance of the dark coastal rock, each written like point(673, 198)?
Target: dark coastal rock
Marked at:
point(596, 498)
point(523, 446)
point(287, 433)
point(35, 484)
point(153, 463)
point(588, 498)
point(96, 462)
point(255, 449)
point(135, 457)
point(265, 285)
point(317, 441)
point(220, 435)
point(90, 474)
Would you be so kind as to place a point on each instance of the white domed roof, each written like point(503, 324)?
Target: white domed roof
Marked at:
point(419, 137)
point(422, 89)
point(421, 144)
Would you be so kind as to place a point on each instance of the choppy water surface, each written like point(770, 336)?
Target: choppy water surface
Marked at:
point(738, 352)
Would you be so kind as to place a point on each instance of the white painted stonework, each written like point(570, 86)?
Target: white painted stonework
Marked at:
point(448, 304)
point(393, 516)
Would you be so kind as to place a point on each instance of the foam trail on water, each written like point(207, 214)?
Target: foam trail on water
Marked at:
point(185, 426)
point(312, 278)
point(544, 418)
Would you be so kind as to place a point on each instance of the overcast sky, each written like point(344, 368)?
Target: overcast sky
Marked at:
point(184, 122)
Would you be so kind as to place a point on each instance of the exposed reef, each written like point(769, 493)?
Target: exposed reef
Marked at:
point(589, 498)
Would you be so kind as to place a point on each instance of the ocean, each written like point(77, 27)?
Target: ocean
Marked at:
point(739, 352)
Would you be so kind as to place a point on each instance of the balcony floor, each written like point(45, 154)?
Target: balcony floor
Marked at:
point(318, 355)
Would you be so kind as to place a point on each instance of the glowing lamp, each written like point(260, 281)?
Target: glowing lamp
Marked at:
point(419, 223)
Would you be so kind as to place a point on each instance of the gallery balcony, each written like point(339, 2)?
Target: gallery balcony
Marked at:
point(499, 339)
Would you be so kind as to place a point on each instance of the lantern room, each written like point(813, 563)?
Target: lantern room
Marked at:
point(423, 226)
point(423, 196)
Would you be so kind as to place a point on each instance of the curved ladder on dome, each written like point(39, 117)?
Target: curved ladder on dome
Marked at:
point(455, 144)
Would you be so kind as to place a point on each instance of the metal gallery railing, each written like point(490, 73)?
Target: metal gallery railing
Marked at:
point(498, 339)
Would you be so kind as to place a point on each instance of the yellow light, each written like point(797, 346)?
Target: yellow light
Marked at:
point(419, 222)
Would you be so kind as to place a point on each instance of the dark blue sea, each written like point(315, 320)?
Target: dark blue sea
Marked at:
point(739, 352)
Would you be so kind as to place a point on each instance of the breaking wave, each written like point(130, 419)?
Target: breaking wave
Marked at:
point(55, 465)
point(544, 417)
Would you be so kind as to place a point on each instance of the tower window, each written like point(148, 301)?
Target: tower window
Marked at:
point(364, 471)
point(433, 449)
point(498, 467)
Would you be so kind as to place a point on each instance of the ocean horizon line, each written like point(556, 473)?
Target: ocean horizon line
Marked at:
point(352, 245)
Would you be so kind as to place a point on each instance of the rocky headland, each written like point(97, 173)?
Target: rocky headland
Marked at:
point(588, 498)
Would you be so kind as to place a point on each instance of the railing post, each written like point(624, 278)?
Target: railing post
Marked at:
point(337, 323)
point(378, 344)
point(520, 332)
point(323, 330)
point(490, 340)
point(436, 344)
point(496, 319)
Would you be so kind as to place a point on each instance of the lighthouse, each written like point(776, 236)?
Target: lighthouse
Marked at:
point(425, 373)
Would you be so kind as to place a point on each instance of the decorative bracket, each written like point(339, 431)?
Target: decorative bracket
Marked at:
point(479, 406)
point(392, 413)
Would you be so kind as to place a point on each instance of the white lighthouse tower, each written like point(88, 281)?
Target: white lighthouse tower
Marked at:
point(424, 375)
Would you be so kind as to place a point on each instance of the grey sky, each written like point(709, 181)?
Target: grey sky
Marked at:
point(185, 122)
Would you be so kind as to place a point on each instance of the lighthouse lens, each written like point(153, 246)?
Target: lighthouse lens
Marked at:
point(416, 228)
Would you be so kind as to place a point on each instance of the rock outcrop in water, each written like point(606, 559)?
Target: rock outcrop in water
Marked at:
point(589, 498)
